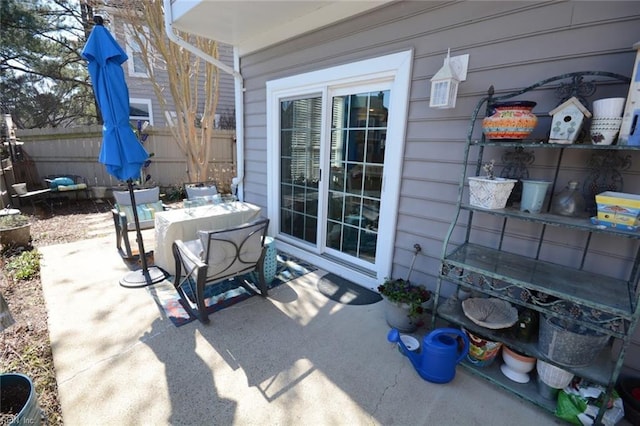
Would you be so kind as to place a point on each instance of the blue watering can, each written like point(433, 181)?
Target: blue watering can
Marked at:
point(439, 355)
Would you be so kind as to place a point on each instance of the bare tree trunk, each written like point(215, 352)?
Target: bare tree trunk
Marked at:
point(188, 77)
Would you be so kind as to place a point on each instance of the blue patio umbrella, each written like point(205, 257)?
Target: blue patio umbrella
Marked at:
point(121, 152)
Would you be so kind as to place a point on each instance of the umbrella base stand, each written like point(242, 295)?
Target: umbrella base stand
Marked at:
point(141, 278)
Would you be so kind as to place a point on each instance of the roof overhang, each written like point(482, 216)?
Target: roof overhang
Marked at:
point(254, 25)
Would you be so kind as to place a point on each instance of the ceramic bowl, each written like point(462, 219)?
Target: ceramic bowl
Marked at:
point(516, 365)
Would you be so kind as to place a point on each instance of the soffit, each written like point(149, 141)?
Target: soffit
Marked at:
point(253, 25)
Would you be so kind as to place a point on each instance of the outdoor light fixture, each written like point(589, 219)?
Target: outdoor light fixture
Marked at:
point(444, 84)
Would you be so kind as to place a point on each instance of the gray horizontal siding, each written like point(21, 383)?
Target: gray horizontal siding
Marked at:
point(511, 45)
point(141, 87)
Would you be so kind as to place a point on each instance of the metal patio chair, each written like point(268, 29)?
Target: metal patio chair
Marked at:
point(216, 256)
point(199, 189)
point(147, 204)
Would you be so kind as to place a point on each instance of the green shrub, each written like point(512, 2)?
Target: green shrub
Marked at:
point(24, 266)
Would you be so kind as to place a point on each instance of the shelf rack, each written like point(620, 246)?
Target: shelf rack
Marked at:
point(596, 300)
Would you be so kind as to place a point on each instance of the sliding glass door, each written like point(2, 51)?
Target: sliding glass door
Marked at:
point(300, 145)
point(335, 145)
point(338, 216)
point(358, 137)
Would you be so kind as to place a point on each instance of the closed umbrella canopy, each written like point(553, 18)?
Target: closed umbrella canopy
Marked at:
point(121, 152)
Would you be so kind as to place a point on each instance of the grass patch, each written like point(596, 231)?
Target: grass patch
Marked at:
point(24, 266)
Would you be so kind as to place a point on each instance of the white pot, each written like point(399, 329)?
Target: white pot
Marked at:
point(99, 192)
point(608, 107)
point(20, 188)
point(490, 193)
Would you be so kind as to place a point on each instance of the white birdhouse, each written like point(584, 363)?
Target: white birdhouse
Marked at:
point(567, 121)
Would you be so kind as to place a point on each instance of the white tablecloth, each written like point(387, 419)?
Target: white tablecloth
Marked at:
point(174, 225)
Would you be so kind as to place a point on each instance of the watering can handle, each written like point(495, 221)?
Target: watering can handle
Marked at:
point(457, 332)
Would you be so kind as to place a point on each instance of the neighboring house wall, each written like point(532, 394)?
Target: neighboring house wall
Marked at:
point(141, 89)
point(511, 45)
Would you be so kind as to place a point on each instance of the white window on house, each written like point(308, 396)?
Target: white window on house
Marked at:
point(135, 63)
point(140, 109)
point(335, 150)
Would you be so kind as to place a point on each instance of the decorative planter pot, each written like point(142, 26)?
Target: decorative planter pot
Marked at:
point(397, 315)
point(19, 236)
point(482, 352)
point(569, 344)
point(490, 193)
point(18, 399)
point(510, 120)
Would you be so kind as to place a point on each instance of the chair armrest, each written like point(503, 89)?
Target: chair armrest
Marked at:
point(120, 218)
point(184, 251)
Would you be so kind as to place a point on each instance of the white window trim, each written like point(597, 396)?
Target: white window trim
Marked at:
point(146, 102)
point(130, 65)
point(394, 68)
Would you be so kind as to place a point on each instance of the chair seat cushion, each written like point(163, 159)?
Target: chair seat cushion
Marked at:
point(223, 257)
point(146, 213)
point(195, 247)
point(63, 180)
point(74, 187)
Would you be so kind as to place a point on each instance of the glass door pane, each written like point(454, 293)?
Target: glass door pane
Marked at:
point(300, 125)
point(358, 137)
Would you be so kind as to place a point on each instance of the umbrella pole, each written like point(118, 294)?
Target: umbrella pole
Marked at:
point(145, 276)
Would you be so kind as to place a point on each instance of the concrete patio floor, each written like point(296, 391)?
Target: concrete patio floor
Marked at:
point(295, 358)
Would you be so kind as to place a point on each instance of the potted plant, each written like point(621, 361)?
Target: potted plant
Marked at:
point(490, 192)
point(404, 303)
point(15, 230)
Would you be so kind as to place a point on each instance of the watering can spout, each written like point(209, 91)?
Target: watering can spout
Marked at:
point(442, 350)
point(394, 337)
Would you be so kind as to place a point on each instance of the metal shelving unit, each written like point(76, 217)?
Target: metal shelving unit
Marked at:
point(599, 301)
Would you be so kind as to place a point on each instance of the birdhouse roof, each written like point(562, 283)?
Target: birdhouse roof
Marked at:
point(571, 101)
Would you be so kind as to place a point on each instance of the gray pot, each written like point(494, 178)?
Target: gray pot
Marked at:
point(19, 236)
point(19, 399)
point(397, 316)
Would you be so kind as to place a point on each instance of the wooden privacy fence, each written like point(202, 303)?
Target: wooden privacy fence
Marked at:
point(75, 151)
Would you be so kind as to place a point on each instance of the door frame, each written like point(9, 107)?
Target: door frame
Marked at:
point(395, 70)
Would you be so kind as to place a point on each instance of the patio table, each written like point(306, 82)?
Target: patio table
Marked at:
point(179, 224)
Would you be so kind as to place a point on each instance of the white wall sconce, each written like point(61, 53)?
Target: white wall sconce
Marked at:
point(444, 84)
